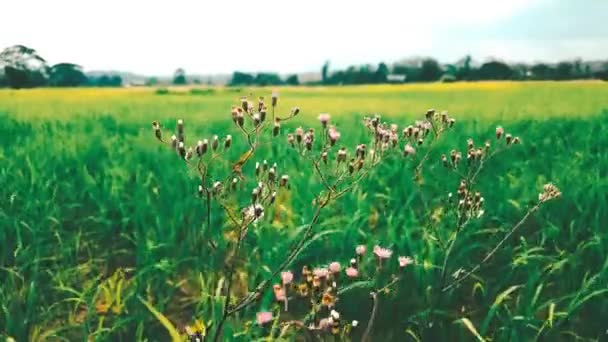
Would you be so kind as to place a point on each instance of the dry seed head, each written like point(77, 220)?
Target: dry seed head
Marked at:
point(360, 151)
point(263, 114)
point(550, 192)
point(260, 103)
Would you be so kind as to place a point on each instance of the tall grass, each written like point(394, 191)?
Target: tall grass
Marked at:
point(97, 221)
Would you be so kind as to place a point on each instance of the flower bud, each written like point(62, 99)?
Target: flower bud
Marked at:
point(351, 166)
point(257, 119)
point(295, 111)
point(263, 114)
point(201, 147)
point(276, 128)
point(324, 119)
point(257, 168)
point(273, 197)
point(444, 117)
point(217, 188)
point(228, 141)
point(260, 103)
point(341, 154)
point(444, 159)
point(157, 132)
point(181, 149)
point(452, 122)
point(324, 157)
point(189, 153)
point(180, 130)
point(275, 98)
point(201, 190)
point(272, 174)
point(234, 183)
point(360, 151)
point(509, 138)
point(265, 165)
point(430, 114)
point(216, 142)
point(174, 142)
point(499, 132)
point(299, 134)
point(487, 146)
point(244, 103)
point(516, 140)
point(284, 180)
point(420, 142)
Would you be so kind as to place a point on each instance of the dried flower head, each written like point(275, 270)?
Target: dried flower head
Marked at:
point(550, 192)
point(409, 150)
point(499, 132)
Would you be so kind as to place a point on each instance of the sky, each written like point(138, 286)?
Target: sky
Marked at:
point(215, 37)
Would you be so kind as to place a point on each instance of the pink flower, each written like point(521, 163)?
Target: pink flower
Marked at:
point(334, 267)
point(361, 249)
point(320, 272)
point(382, 253)
point(352, 272)
point(409, 150)
point(286, 277)
point(264, 317)
point(324, 118)
point(333, 135)
point(279, 293)
point(404, 261)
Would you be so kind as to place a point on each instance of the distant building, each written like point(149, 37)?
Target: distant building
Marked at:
point(396, 78)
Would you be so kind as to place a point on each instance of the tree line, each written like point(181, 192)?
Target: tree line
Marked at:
point(23, 67)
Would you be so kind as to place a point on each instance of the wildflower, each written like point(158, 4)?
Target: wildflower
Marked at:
point(404, 261)
point(509, 138)
point(215, 143)
point(516, 140)
point(335, 315)
point(354, 323)
point(382, 253)
point(360, 250)
point(324, 119)
point(299, 134)
point(252, 213)
point(257, 119)
point(324, 157)
point(550, 192)
point(499, 132)
point(352, 272)
point(334, 267)
point(263, 317)
point(333, 135)
point(321, 272)
point(228, 141)
point(328, 300)
point(286, 277)
point(409, 150)
point(279, 293)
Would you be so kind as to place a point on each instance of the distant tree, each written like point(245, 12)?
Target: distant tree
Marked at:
point(325, 72)
point(105, 81)
point(495, 70)
point(430, 70)
point(542, 71)
point(179, 77)
point(465, 72)
point(381, 73)
point(564, 71)
point(241, 78)
point(23, 67)
point(66, 75)
point(264, 79)
point(151, 81)
point(292, 80)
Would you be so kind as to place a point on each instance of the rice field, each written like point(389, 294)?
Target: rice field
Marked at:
point(104, 237)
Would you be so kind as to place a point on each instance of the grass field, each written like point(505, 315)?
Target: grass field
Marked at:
point(92, 207)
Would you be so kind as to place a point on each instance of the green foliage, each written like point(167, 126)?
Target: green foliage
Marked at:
point(94, 213)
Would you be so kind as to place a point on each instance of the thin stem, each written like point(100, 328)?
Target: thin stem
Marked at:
point(370, 323)
point(494, 250)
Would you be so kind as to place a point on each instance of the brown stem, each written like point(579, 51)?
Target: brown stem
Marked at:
point(370, 323)
point(494, 250)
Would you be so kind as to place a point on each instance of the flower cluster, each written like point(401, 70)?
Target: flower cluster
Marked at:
point(550, 192)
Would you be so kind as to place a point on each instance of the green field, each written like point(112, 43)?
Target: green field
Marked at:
point(93, 207)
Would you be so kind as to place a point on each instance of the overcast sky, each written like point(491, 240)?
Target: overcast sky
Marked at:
point(155, 37)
